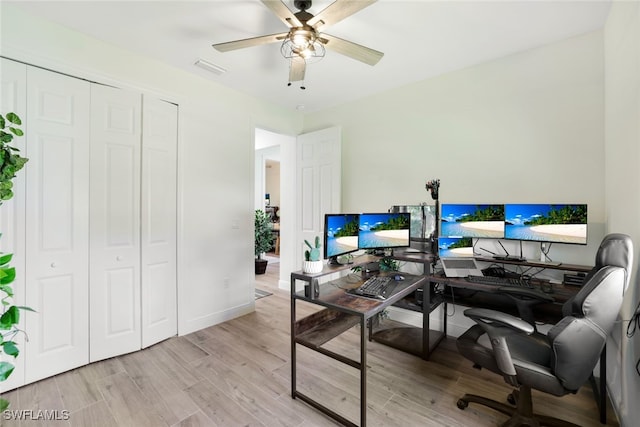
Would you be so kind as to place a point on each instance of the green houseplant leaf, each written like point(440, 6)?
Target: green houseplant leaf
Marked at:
point(6, 369)
point(10, 348)
point(9, 318)
point(10, 163)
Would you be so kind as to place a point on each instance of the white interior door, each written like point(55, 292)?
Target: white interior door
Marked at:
point(57, 214)
point(115, 222)
point(159, 220)
point(318, 182)
point(13, 98)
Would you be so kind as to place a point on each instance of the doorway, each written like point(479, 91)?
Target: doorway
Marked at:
point(269, 195)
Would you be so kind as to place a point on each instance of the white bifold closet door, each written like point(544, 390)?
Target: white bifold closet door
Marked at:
point(159, 220)
point(133, 221)
point(114, 236)
point(93, 222)
point(57, 218)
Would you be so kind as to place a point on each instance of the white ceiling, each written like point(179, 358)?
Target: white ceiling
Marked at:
point(420, 39)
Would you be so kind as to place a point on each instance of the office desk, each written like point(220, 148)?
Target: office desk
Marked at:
point(341, 312)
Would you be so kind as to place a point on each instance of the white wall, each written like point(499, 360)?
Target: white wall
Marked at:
point(215, 252)
point(273, 182)
point(622, 172)
point(525, 128)
point(529, 127)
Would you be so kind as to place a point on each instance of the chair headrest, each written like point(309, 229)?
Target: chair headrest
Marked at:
point(616, 249)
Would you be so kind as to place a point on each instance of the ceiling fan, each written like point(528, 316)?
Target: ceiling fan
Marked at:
point(304, 42)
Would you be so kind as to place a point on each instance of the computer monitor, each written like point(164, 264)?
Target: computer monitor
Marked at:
point(384, 230)
point(455, 247)
point(423, 225)
point(472, 220)
point(340, 235)
point(546, 223)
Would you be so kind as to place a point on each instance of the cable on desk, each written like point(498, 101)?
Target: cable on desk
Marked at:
point(634, 323)
point(453, 303)
point(545, 251)
point(632, 328)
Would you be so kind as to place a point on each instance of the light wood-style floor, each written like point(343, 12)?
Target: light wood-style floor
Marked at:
point(238, 374)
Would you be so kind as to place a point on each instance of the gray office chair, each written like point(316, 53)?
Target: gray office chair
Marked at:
point(561, 361)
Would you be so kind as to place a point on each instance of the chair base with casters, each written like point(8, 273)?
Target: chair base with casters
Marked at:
point(521, 414)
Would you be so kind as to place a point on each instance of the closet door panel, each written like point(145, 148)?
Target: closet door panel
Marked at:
point(115, 222)
point(159, 187)
point(57, 214)
point(13, 98)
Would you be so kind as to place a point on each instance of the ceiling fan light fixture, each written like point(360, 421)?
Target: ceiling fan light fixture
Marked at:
point(313, 51)
point(302, 39)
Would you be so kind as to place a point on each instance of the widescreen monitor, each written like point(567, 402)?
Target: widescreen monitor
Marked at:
point(384, 230)
point(455, 247)
point(472, 220)
point(546, 223)
point(340, 235)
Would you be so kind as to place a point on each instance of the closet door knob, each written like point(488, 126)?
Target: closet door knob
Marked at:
point(119, 258)
point(54, 265)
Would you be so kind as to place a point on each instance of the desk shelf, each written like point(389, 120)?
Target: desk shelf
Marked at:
point(317, 329)
point(406, 338)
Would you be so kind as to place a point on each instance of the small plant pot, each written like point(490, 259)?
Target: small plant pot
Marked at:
point(311, 267)
point(261, 266)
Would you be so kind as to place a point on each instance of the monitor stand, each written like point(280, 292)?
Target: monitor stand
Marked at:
point(334, 260)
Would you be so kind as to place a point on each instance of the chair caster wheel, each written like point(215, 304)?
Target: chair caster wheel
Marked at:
point(462, 404)
point(511, 399)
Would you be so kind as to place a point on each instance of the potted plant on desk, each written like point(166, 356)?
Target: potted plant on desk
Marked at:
point(312, 263)
point(263, 240)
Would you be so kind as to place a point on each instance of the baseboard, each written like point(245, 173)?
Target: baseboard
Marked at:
point(216, 318)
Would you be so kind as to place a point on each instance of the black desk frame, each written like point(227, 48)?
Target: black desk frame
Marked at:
point(423, 340)
point(342, 311)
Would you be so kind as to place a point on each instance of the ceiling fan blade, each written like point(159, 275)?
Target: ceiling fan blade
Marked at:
point(283, 12)
point(297, 68)
point(350, 49)
point(253, 41)
point(337, 11)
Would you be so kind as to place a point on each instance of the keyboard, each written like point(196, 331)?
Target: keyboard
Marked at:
point(500, 281)
point(376, 287)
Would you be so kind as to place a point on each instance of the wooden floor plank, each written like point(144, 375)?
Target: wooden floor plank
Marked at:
point(95, 415)
point(127, 404)
point(219, 407)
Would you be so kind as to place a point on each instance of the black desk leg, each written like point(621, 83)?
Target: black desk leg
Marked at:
point(363, 373)
point(293, 341)
point(603, 386)
point(600, 387)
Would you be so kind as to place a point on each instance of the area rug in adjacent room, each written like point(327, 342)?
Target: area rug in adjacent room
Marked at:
point(261, 294)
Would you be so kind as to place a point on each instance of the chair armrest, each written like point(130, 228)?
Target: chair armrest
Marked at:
point(485, 316)
point(498, 327)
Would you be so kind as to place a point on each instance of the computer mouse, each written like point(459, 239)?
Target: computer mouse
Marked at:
point(398, 277)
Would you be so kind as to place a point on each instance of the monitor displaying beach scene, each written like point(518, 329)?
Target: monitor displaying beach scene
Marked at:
point(467, 220)
point(455, 247)
point(384, 230)
point(546, 223)
point(340, 234)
